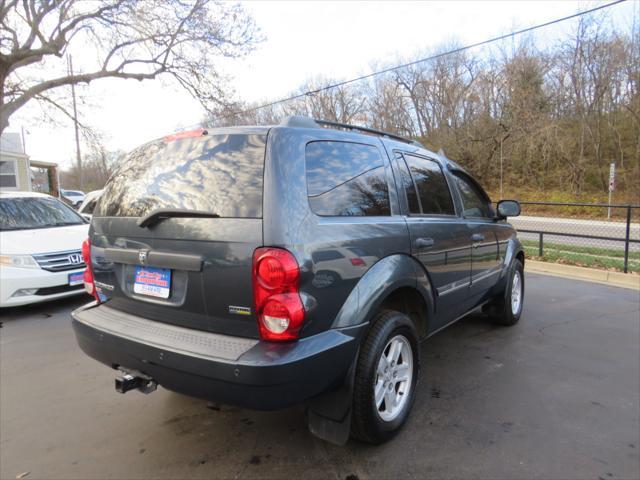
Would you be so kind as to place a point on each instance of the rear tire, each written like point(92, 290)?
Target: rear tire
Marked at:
point(386, 377)
point(508, 309)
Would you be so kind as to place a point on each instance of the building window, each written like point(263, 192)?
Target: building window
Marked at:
point(8, 174)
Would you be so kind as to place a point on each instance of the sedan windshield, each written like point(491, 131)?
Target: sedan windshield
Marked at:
point(35, 212)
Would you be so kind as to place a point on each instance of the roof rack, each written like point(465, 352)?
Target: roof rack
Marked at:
point(372, 131)
point(306, 122)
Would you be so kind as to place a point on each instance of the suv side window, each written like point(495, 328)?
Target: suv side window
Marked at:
point(433, 191)
point(408, 186)
point(474, 201)
point(346, 179)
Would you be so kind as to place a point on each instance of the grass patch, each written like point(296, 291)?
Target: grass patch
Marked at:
point(597, 251)
point(560, 196)
point(581, 259)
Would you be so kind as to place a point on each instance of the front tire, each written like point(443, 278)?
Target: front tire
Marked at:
point(386, 377)
point(507, 310)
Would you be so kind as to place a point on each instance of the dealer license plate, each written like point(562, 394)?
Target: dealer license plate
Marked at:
point(76, 278)
point(155, 282)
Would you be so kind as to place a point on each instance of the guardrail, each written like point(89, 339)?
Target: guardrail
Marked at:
point(580, 233)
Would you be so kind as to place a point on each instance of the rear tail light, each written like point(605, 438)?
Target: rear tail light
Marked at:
point(89, 284)
point(358, 262)
point(275, 292)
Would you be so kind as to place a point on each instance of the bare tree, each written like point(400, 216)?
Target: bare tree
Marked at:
point(97, 163)
point(545, 119)
point(128, 39)
point(343, 104)
point(389, 109)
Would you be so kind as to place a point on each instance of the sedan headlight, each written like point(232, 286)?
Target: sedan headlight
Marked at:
point(19, 261)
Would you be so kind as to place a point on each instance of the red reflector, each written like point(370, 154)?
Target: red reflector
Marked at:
point(192, 133)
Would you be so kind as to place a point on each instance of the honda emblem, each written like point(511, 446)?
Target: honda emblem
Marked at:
point(75, 259)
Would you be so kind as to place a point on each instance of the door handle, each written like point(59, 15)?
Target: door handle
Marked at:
point(424, 242)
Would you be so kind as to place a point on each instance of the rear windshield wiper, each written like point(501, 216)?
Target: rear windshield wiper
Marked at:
point(156, 216)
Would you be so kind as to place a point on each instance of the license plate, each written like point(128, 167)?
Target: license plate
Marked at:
point(155, 282)
point(76, 278)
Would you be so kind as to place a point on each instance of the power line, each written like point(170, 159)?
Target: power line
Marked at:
point(432, 57)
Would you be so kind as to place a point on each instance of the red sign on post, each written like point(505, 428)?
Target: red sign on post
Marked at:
point(612, 185)
point(612, 177)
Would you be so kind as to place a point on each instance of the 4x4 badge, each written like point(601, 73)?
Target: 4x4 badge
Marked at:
point(239, 310)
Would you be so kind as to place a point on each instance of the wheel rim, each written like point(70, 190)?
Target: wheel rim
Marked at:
point(516, 293)
point(393, 378)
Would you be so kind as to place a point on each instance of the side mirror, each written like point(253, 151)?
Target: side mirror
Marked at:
point(508, 208)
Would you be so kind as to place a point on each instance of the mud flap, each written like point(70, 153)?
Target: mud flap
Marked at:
point(330, 414)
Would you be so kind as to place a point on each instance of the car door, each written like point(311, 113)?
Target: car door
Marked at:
point(439, 237)
point(479, 216)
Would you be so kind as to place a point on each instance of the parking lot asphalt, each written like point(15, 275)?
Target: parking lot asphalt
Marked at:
point(557, 396)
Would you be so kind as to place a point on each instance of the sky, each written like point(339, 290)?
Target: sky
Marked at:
point(303, 40)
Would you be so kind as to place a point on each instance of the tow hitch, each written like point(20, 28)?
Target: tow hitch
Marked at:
point(135, 381)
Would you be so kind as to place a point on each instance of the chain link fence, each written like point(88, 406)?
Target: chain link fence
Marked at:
point(585, 234)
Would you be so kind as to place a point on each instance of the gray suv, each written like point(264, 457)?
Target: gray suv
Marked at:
point(300, 263)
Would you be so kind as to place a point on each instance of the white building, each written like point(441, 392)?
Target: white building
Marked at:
point(18, 171)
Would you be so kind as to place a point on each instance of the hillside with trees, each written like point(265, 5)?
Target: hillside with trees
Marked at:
point(555, 116)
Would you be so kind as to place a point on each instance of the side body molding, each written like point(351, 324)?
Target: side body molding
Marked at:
point(389, 274)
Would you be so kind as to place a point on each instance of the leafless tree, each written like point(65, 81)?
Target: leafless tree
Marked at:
point(127, 39)
point(552, 116)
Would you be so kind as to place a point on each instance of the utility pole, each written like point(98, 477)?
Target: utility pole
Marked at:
point(501, 196)
point(24, 145)
point(75, 124)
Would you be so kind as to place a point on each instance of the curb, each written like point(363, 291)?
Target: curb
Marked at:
point(616, 279)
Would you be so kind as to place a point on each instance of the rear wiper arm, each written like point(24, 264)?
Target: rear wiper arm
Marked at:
point(160, 214)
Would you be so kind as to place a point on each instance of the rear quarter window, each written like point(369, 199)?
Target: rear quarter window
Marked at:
point(219, 174)
point(346, 179)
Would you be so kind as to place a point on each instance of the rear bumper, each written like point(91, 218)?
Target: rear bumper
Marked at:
point(230, 370)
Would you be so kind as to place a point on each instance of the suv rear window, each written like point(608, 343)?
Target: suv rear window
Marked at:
point(346, 179)
point(219, 174)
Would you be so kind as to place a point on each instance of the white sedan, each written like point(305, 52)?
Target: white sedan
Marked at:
point(40, 249)
point(74, 197)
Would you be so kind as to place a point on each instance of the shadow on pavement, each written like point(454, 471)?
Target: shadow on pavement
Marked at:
point(44, 309)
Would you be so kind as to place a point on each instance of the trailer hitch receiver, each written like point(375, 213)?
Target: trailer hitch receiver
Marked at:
point(135, 381)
